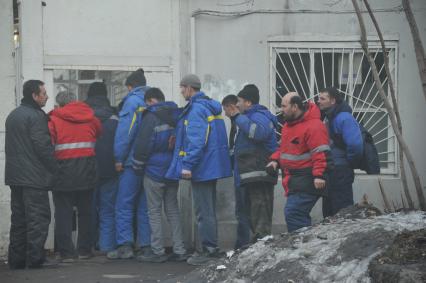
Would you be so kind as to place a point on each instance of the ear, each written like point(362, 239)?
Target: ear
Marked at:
point(34, 96)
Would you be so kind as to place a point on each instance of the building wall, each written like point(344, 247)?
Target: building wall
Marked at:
point(7, 90)
point(226, 52)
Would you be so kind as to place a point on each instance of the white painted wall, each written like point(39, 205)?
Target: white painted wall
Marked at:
point(7, 94)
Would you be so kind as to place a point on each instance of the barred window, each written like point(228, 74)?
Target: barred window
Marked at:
point(309, 67)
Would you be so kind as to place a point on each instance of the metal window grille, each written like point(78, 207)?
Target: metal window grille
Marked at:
point(309, 67)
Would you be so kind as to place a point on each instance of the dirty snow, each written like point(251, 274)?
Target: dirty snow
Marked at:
point(339, 251)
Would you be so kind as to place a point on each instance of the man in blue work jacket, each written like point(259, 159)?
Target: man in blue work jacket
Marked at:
point(130, 196)
point(201, 155)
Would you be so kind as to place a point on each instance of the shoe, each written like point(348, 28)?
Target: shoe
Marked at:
point(46, 263)
point(145, 250)
point(67, 260)
point(85, 256)
point(204, 257)
point(152, 257)
point(178, 257)
point(125, 252)
point(112, 254)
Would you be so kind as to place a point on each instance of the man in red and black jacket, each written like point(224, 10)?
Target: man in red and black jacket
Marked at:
point(74, 130)
point(304, 158)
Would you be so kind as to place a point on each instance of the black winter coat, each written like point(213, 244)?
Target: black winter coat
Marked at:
point(30, 159)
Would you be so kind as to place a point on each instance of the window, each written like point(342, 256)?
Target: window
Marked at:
point(78, 82)
point(309, 67)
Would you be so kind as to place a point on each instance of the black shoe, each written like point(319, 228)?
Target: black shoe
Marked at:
point(204, 257)
point(152, 257)
point(178, 257)
point(47, 263)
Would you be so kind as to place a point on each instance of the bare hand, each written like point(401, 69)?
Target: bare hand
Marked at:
point(319, 184)
point(274, 164)
point(118, 167)
point(186, 174)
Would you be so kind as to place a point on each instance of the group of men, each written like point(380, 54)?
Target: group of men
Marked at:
point(124, 168)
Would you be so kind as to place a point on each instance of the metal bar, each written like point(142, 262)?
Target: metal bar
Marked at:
point(350, 75)
point(371, 88)
point(323, 69)
point(341, 69)
point(304, 71)
point(297, 74)
point(285, 68)
point(357, 73)
point(276, 72)
point(369, 70)
point(385, 139)
point(312, 73)
point(381, 131)
point(332, 67)
point(386, 152)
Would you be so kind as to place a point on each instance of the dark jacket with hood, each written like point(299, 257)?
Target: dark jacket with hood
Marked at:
point(201, 141)
point(74, 130)
point(255, 142)
point(154, 143)
point(345, 135)
point(30, 159)
point(105, 143)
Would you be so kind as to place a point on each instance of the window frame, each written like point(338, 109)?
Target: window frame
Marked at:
point(336, 43)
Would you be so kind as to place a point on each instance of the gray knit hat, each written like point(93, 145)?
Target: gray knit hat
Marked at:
point(191, 80)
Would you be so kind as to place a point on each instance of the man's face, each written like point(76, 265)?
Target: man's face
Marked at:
point(42, 97)
point(185, 91)
point(325, 101)
point(228, 110)
point(243, 105)
point(288, 111)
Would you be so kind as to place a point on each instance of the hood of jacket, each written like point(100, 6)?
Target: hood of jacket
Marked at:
point(332, 112)
point(312, 112)
point(265, 111)
point(214, 106)
point(75, 112)
point(166, 111)
point(101, 106)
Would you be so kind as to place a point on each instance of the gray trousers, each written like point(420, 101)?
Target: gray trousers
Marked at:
point(158, 194)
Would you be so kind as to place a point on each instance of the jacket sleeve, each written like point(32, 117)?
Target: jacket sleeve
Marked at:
point(125, 131)
point(42, 143)
point(144, 143)
point(352, 137)
point(316, 138)
point(257, 127)
point(196, 135)
point(98, 127)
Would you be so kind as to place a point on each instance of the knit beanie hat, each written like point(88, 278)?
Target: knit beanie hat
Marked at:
point(137, 78)
point(97, 89)
point(250, 92)
point(191, 80)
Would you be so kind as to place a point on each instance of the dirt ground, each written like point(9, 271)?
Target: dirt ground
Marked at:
point(97, 270)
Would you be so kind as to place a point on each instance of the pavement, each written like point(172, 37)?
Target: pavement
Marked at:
point(98, 270)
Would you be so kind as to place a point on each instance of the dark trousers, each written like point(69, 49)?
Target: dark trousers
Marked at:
point(254, 204)
point(29, 226)
point(64, 204)
point(340, 194)
point(297, 210)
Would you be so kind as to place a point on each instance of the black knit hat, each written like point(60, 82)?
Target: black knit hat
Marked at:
point(137, 78)
point(250, 92)
point(97, 89)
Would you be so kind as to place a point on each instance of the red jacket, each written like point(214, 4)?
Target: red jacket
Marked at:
point(304, 152)
point(74, 129)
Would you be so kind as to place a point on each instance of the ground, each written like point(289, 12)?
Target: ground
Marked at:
point(97, 270)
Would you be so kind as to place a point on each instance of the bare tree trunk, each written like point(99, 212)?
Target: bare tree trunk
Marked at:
point(385, 198)
point(418, 46)
point(394, 102)
point(389, 109)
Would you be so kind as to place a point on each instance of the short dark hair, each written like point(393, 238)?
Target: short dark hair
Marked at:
point(230, 99)
point(333, 92)
point(154, 93)
point(32, 86)
point(137, 78)
point(298, 101)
